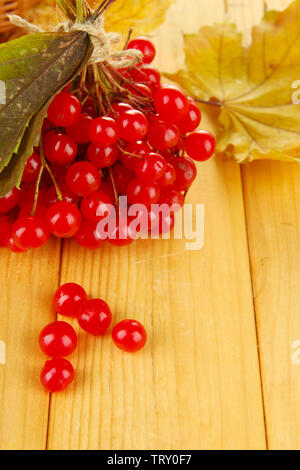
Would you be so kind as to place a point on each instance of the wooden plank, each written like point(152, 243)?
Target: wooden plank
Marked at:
point(28, 282)
point(272, 198)
point(197, 383)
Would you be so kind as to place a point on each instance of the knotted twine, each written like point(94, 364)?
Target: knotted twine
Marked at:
point(101, 40)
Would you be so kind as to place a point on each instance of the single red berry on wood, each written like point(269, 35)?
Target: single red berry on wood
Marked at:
point(79, 132)
point(68, 298)
point(83, 178)
point(64, 110)
point(186, 172)
point(133, 125)
point(129, 335)
point(169, 176)
point(88, 236)
point(102, 157)
point(58, 339)
point(145, 46)
point(63, 219)
point(104, 131)
point(10, 200)
point(191, 121)
point(200, 145)
point(97, 206)
point(30, 232)
point(60, 149)
point(151, 168)
point(171, 104)
point(32, 168)
point(94, 316)
point(57, 374)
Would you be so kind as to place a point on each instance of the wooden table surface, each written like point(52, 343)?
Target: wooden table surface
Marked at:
point(220, 368)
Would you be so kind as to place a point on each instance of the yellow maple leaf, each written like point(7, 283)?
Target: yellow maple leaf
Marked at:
point(253, 87)
point(122, 15)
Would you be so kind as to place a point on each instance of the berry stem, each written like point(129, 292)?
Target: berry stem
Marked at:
point(114, 185)
point(130, 32)
point(45, 165)
point(37, 188)
point(100, 10)
point(217, 104)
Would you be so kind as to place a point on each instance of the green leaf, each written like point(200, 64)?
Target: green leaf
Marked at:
point(33, 69)
point(12, 174)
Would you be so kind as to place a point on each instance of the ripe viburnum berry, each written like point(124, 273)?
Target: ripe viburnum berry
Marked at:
point(64, 110)
point(30, 232)
point(68, 298)
point(133, 125)
point(129, 335)
point(63, 219)
point(57, 374)
point(200, 145)
point(83, 178)
point(60, 149)
point(9, 201)
point(171, 104)
point(145, 46)
point(58, 339)
point(94, 316)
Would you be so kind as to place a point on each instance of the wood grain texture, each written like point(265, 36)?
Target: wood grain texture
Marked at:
point(272, 198)
point(27, 281)
point(197, 383)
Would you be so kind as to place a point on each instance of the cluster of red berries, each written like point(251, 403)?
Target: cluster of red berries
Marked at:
point(59, 339)
point(98, 149)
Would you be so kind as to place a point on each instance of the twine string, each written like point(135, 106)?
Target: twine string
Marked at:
point(101, 40)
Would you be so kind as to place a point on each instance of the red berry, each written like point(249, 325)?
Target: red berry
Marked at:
point(191, 121)
point(171, 197)
point(89, 107)
point(4, 230)
point(200, 145)
point(88, 236)
point(122, 176)
point(57, 374)
point(64, 110)
point(58, 339)
point(79, 132)
point(32, 168)
point(169, 176)
point(60, 149)
point(162, 136)
point(119, 108)
point(9, 201)
point(94, 316)
point(63, 219)
point(104, 131)
point(133, 125)
point(145, 46)
point(30, 232)
point(142, 88)
point(102, 157)
point(66, 193)
point(83, 178)
point(186, 172)
point(140, 192)
point(10, 243)
point(134, 148)
point(27, 208)
point(122, 234)
point(151, 168)
point(68, 298)
point(129, 335)
point(97, 206)
point(151, 76)
point(108, 189)
point(171, 104)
